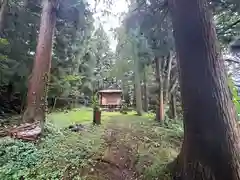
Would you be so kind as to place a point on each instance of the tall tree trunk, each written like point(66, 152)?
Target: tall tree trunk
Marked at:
point(134, 96)
point(168, 78)
point(3, 9)
point(160, 104)
point(123, 88)
point(137, 88)
point(173, 86)
point(172, 108)
point(38, 84)
point(138, 94)
point(211, 140)
point(145, 91)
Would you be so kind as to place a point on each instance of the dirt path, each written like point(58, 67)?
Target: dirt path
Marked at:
point(119, 158)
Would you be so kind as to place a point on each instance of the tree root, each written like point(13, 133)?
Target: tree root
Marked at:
point(175, 168)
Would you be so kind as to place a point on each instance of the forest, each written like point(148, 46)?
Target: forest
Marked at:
point(175, 62)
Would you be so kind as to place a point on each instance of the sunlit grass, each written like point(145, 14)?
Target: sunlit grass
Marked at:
point(83, 115)
point(64, 119)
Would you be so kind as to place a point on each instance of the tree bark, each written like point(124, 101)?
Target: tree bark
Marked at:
point(172, 108)
point(168, 78)
point(211, 140)
point(160, 104)
point(145, 91)
point(173, 86)
point(134, 96)
point(138, 88)
point(3, 9)
point(38, 84)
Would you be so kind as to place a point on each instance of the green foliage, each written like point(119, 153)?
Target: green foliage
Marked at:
point(17, 158)
point(3, 45)
point(60, 156)
point(95, 102)
point(235, 97)
point(163, 145)
point(81, 53)
point(61, 152)
point(3, 42)
point(51, 158)
point(156, 145)
point(58, 152)
point(72, 78)
point(227, 24)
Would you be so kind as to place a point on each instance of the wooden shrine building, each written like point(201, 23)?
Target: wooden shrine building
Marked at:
point(110, 98)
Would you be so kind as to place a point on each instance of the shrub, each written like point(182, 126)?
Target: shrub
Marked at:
point(57, 153)
point(235, 96)
point(17, 158)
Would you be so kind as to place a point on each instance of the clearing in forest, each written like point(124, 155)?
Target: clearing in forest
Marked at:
point(133, 147)
point(124, 147)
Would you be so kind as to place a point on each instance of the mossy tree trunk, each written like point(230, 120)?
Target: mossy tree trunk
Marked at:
point(38, 84)
point(210, 149)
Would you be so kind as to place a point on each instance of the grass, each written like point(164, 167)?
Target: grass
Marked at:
point(83, 115)
point(64, 119)
point(63, 154)
point(158, 144)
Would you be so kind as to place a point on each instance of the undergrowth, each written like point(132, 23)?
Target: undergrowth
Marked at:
point(17, 158)
point(52, 158)
point(159, 145)
point(61, 154)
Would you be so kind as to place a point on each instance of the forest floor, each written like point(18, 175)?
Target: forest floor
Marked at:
point(124, 147)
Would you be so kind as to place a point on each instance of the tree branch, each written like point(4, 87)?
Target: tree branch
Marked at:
point(162, 6)
point(174, 85)
point(230, 26)
point(232, 60)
